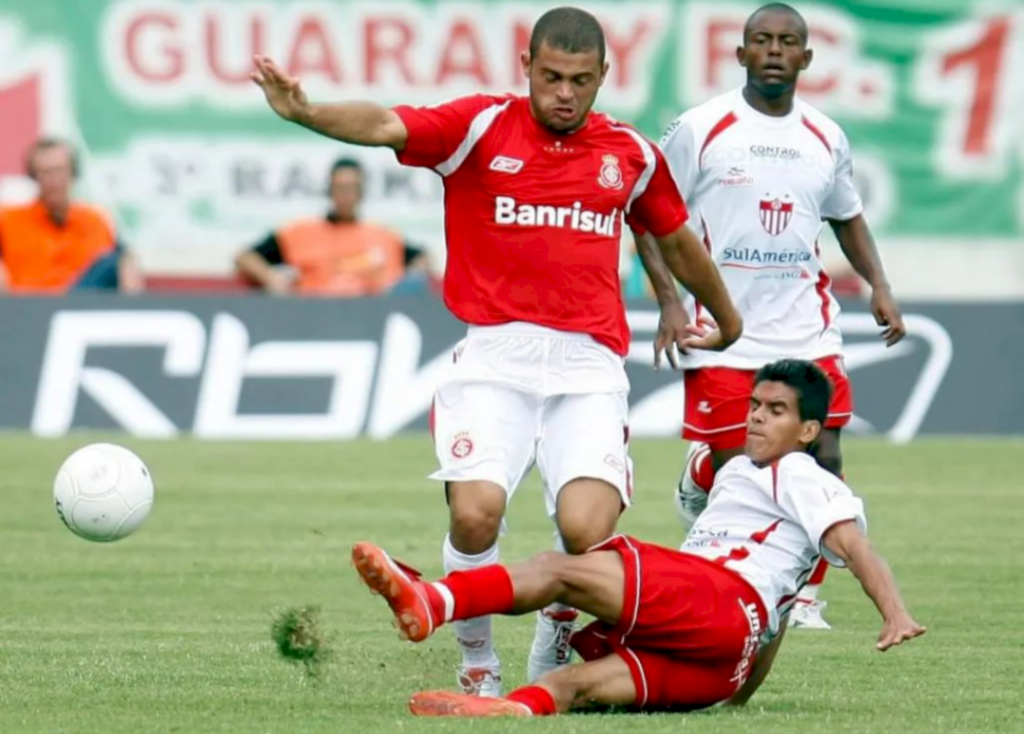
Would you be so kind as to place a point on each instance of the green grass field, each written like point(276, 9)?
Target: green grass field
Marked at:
point(168, 631)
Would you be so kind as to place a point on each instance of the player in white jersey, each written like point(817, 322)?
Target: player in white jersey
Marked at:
point(676, 629)
point(761, 171)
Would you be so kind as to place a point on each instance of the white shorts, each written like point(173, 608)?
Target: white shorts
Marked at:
point(520, 394)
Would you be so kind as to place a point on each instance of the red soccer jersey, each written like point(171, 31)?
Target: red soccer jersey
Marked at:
point(533, 218)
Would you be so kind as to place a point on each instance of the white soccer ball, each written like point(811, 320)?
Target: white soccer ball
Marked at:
point(103, 492)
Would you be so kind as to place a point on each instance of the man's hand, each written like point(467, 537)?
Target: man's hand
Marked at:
point(897, 630)
point(284, 94)
point(713, 339)
point(672, 333)
point(887, 314)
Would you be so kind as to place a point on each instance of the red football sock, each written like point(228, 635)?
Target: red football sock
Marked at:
point(535, 698)
point(702, 470)
point(480, 591)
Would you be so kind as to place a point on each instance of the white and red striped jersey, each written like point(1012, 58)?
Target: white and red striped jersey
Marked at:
point(766, 524)
point(758, 189)
point(533, 218)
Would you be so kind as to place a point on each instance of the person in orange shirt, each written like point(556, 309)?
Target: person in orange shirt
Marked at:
point(54, 244)
point(336, 255)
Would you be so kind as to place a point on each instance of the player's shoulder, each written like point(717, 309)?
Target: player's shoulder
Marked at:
point(626, 137)
point(472, 104)
point(800, 469)
point(700, 120)
point(822, 124)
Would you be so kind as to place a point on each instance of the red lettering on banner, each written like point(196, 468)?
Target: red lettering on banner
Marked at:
point(463, 55)
point(812, 84)
point(985, 57)
point(621, 50)
point(138, 35)
point(214, 29)
point(520, 42)
point(379, 49)
point(720, 51)
point(311, 52)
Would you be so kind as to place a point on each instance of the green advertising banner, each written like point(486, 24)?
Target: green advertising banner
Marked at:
point(179, 145)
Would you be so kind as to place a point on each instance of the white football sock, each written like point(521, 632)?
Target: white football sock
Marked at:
point(473, 635)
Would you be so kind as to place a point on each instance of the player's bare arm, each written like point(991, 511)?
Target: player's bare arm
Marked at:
point(689, 262)
point(360, 123)
point(674, 320)
point(859, 247)
point(762, 666)
point(848, 543)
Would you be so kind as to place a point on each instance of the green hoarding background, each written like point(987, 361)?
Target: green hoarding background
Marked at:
point(180, 145)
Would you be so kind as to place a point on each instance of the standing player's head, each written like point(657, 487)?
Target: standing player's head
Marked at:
point(787, 410)
point(346, 188)
point(774, 49)
point(565, 66)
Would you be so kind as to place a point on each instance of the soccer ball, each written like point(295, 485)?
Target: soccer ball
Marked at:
point(103, 492)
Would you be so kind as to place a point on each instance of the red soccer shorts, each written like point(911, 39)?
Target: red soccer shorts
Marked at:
point(718, 398)
point(689, 628)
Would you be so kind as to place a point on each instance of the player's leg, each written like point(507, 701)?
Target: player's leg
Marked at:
point(583, 457)
point(603, 682)
point(715, 424)
point(594, 582)
point(483, 435)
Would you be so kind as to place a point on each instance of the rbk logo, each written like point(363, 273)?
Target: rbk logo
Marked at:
point(506, 165)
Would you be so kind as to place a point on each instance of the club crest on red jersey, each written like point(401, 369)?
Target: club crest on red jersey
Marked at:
point(775, 215)
point(611, 175)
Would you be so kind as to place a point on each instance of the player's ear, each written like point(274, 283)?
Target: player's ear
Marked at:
point(809, 432)
point(740, 56)
point(808, 57)
point(524, 59)
point(604, 73)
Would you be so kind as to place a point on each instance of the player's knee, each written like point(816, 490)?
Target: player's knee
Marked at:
point(474, 527)
point(587, 513)
point(475, 511)
point(580, 534)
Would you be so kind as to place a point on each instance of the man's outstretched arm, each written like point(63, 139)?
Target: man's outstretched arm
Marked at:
point(848, 543)
point(359, 123)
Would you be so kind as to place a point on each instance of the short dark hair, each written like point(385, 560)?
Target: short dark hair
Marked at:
point(346, 163)
point(568, 29)
point(776, 8)
point(813, 388)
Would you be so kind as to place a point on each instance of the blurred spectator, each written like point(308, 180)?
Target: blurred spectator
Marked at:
point(336, 255)
point(54, 244)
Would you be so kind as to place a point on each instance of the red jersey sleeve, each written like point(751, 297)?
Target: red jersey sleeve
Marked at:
point(659, 209)
point(436, 133)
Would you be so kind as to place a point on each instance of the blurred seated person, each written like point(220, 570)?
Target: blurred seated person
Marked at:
point(55, 245)
point(337, 255)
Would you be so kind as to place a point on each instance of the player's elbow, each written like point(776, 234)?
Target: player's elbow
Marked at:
point(391, 131)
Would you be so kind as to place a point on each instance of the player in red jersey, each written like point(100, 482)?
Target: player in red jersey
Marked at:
point(761, 170)
point(535, 191)
point(675, 629)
